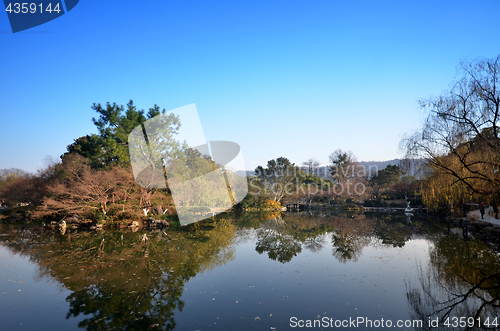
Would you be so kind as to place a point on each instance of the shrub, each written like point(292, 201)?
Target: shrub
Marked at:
point(271, 204)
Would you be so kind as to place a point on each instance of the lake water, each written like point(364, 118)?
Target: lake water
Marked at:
point(253, 272)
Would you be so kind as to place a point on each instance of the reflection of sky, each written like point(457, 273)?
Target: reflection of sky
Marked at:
point(28, 301)
point(311, 284)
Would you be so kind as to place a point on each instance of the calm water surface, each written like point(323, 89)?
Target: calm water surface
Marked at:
point(250, 273)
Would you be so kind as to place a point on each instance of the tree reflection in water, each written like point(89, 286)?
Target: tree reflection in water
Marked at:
point(284, 238)
point(277, 239)
point(315, 244)
point(130, 281)
point(125, 280)
point(351, 235)
point(462, 280)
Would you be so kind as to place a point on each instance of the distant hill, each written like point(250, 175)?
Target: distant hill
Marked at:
point(371, 166)
point(379, 164)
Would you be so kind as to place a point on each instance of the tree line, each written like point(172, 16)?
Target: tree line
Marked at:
point(345, 180)
point(94, 182)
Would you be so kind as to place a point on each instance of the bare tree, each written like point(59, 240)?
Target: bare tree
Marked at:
point(311, 166)
point(82, 188)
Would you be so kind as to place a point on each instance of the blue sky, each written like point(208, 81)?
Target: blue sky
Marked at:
point(281, 78)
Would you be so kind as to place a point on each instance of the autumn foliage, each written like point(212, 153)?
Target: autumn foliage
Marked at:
point(74, 188)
